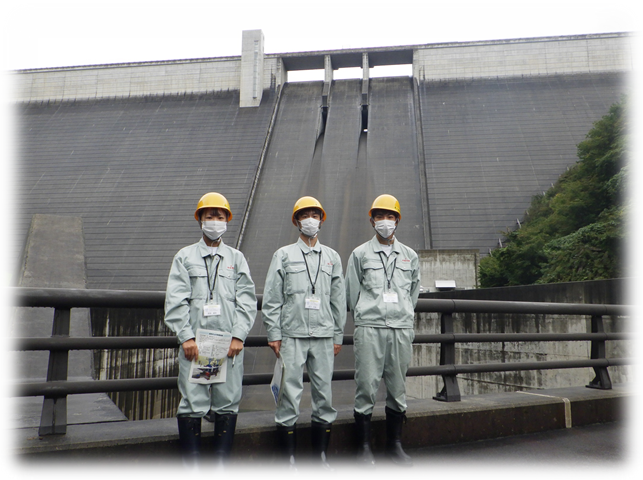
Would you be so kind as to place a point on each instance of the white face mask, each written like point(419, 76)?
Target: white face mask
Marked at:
point(213, 229)
point(309, 226)
point(385, 228)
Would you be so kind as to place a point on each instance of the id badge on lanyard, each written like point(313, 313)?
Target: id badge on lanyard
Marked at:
point(211, 308)
point(312, 302)
point(389, 295)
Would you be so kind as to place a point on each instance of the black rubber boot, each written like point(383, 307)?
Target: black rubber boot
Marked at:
point(394, 451)
point(224, 427)
point(190, 440)
point(319, 439)
point(363, 433)
point(287, 438)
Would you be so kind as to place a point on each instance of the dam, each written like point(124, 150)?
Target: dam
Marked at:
point(127, 150)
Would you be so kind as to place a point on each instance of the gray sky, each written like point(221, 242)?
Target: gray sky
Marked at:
point(39, 33)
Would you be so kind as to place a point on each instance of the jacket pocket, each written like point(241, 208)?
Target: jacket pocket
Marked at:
point(227, 285)
point(198, 281)
point(296, 278)
point(403, 277)
point(373, 275)
point(325, 279)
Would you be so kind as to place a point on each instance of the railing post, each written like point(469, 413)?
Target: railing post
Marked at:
point(54, 409)
point(602, 379)
point(451, 391)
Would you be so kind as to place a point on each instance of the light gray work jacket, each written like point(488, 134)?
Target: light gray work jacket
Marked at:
point(289, 283)
point(366, 283)
point(188, 289)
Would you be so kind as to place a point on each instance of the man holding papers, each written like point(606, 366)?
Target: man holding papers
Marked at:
point(209, 292)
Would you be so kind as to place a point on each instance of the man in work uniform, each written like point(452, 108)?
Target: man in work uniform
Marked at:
point(304, 312)
point(382, 288)
point(209, 287)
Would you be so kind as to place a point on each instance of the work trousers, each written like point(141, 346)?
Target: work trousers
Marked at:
point(381, 352)
point(318, 357)
point(223, 398)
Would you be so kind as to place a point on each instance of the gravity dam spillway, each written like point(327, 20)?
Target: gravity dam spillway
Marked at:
point(339, 163)
point(463, 144)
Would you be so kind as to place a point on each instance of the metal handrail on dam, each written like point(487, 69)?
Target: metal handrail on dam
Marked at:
point(57, 387)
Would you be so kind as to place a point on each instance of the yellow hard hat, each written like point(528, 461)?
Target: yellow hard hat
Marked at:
point(213, 200)
point(386, 202)
point(307, 202)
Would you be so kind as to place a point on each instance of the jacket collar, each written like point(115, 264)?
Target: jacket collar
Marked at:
point(204, 250)
point(377, 246)
point(305, 248)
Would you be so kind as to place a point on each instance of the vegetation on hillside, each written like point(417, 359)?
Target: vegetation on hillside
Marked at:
point(575, 231)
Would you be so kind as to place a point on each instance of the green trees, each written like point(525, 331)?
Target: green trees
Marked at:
point(576, 229)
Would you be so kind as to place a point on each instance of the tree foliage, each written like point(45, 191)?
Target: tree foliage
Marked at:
point(576, 229)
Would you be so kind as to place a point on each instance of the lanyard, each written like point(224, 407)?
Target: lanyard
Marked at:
point(216, 272)
point(388, 280)
point(308, 270)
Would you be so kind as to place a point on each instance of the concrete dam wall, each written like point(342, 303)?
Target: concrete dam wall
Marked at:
point(464, 161)
point(464, 144)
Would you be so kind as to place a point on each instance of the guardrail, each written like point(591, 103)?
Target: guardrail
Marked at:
point(57, 387)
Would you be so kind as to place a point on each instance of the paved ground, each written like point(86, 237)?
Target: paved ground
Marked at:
point(594, 451)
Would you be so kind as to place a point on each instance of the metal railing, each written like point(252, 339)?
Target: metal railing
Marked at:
point(57, 387)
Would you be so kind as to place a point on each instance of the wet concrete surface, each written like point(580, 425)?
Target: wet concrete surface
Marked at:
point(603, 451)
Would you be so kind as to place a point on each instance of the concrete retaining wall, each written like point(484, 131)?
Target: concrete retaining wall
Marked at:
point(460, 266)
point(602, 291)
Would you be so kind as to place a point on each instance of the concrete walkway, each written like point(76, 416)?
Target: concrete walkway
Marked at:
point(430, 423)
point(604, 451)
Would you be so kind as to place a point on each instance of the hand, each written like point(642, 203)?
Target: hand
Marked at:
point(337, 348)
point(276, 346)
point(190, 350)
point(235, 347)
